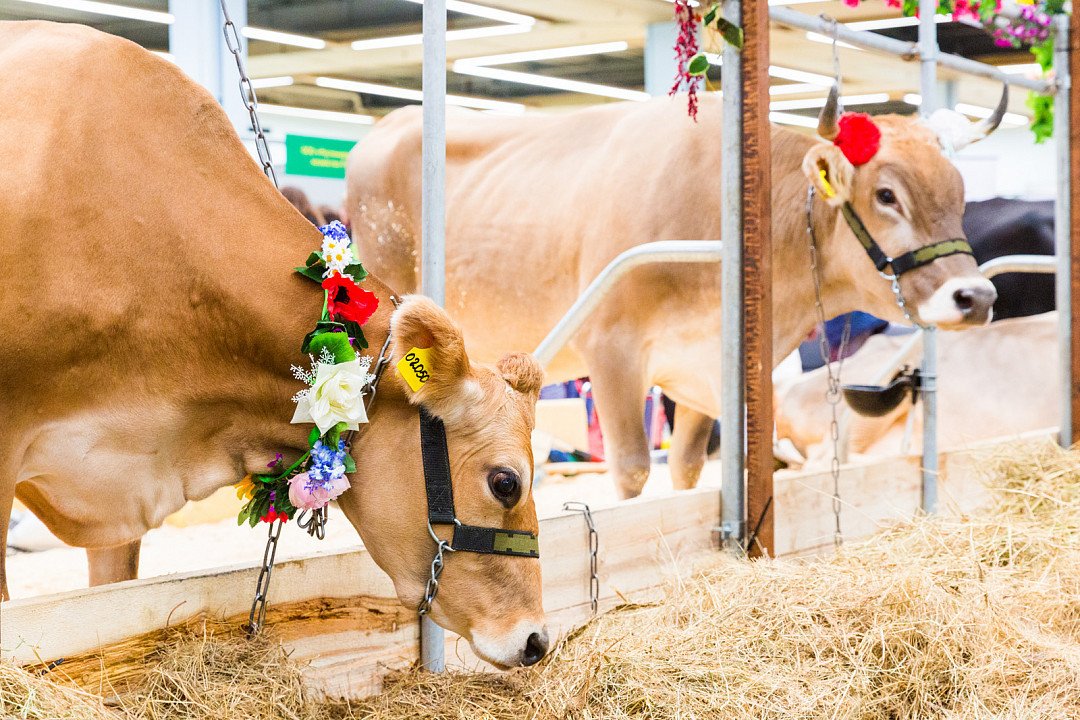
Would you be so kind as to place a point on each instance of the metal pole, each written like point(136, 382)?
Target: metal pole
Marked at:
point(1062, 224)
point(906, 50)
point(732, 416)
point(928, 55)
point(433, 225)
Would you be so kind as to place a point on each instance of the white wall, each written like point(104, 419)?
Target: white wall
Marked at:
point(1009, 164)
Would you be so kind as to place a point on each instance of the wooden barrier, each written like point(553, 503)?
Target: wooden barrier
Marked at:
point(338, 612)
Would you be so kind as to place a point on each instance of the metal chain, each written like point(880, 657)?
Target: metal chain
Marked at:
point(437, 565)
point(316, 523)
point(257, 616)
point(247, 94)
point(833, 392)
point(594, 550)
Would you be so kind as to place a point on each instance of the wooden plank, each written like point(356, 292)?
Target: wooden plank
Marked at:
point(757, 273)
point(1074, 220)
point(338, 611)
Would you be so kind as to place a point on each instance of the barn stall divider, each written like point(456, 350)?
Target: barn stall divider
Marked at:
point(338, 616)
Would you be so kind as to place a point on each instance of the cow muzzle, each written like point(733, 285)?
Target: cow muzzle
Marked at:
point(526, 644)
point(959, 302)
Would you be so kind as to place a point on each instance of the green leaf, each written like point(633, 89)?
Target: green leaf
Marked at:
point(1044, 54)
point(698, 65)
point(711, 14)
point(731, 32)
point(356, 271)
point(910, 7)
point(350, 464)
point(356, 333)
point(315, 272)
point(323, 326)
point(1042, 122)
point(313, 436)
point(315, 257)
point(336, 342)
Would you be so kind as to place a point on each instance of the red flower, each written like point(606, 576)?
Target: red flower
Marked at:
point(347, 300)
point(272, 514)
point(859, 138)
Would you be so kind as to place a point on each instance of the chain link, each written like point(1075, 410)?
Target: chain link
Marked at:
point(594, 550)
point(247, 94)
point(437, 565)
point(257, 616)
point(833, 392)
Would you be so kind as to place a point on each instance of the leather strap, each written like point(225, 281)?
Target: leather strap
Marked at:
point(498, 542)
point(909, 260)
point(436, 458)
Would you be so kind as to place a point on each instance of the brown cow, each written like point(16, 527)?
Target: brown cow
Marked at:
point(537, 206)
point(996, 381)
point(150, 317)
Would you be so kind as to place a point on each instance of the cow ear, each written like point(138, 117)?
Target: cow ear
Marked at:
point(831, 173)
point(429, 355)
point(522, 372)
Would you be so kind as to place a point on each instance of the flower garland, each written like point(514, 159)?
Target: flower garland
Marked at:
point(1029, 28)
point(334, 398)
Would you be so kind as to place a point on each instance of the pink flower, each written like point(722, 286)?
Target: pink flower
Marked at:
point(306, 494)
point(852, 3)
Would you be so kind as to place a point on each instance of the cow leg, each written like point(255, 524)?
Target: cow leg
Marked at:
point(619, 389)
point(5, 519)
point(689, 439)
point(114, 564)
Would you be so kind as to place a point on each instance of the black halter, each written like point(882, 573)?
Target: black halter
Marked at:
point(909, 260)
point(440, 501)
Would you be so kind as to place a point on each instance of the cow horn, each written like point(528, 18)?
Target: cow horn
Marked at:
point(827, 126)
point(990, 124)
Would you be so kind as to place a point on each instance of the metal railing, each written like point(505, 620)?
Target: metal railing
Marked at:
point(661, 251)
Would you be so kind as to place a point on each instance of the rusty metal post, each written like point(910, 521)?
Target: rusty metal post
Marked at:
point(757, 275)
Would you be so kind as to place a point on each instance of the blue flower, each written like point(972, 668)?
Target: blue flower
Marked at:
point(326, 465)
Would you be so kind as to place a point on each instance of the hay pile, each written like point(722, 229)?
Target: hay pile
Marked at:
point(938, 618)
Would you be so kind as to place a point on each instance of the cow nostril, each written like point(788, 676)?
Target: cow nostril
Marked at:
point(964, 299)
point(535, 649)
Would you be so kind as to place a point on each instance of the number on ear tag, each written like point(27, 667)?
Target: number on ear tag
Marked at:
point(415, 367)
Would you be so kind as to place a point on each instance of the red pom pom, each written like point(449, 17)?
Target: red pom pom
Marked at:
point(859, 138)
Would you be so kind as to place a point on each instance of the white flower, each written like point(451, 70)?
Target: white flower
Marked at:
point(337, 254)
point(337, 395)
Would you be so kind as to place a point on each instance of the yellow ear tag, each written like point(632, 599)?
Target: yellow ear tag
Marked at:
point(415, 367)
point(829, 192)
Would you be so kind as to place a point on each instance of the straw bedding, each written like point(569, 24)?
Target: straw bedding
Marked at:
point(975, 617)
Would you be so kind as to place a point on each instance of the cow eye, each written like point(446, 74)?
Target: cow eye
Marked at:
point(505, 485)
point(886, 196)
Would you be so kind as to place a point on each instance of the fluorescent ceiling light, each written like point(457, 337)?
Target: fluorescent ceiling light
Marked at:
point(800, 76)
point(549, 82)
point(984, 112)
point(887, 23)
point(272, 82)
point(819, 38)
point(794, 89)
point(789, 119)
point(547, 54)
point(311, 114)
point(468, 8)
point(451, 36)
point(274, 36)
point(102, 8)
point(868, 99)
point(417, 95)
point(978, 111)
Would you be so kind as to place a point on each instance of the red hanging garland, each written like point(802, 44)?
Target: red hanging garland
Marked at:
point(686, 47)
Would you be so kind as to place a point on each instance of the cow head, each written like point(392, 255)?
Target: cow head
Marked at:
point(908, 195)
point(494, 601)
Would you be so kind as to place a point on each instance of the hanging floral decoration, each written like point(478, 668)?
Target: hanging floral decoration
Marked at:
point(333, 399)
point(1029, 28)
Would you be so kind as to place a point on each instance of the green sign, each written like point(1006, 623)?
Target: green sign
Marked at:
point(319, 157)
